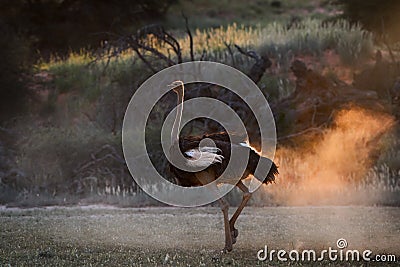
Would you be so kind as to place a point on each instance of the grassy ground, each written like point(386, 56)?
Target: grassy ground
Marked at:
point(88, 236)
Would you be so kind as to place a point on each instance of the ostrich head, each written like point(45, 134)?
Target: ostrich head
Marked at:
point(177, 86)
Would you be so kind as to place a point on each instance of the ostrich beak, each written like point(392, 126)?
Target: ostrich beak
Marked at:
point(175, 84)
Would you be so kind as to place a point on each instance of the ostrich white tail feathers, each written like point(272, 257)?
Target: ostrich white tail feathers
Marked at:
point(244, 144)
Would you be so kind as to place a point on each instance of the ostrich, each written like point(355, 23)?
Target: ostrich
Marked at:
point(214, 160)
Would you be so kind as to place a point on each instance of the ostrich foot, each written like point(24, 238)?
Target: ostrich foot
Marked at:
point(234, 233)
point(227, 248)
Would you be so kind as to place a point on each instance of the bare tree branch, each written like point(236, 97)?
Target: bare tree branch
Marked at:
point(312, 129)
point(250, 54)
point(169, 39)
point(190, 36)
point(228, 46)
point(136, 45)
point(258, 69)
point(147, 63)
point(203, 55)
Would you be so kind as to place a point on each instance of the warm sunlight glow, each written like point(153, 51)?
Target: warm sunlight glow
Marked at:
point(324, 170)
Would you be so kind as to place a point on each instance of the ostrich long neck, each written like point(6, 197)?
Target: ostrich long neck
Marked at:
point(178, 118)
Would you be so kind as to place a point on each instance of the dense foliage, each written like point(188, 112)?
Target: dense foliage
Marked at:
point(14, 55)
point(378, 16)
point(73, 24)
point(41, 28)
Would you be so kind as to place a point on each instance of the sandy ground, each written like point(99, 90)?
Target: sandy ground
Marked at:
point(97, 235)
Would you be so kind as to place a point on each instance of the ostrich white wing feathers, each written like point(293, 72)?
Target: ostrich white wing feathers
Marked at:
point(203, 157)
point(210, 149)
point(191, 153)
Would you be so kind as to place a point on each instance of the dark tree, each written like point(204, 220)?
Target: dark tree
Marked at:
point(14, 55)
point(57, 27)
point(378, 16)
point(72, 24)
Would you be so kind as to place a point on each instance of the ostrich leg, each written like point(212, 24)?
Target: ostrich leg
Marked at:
point(246, 198)
point(206, 177)
point(228, 236)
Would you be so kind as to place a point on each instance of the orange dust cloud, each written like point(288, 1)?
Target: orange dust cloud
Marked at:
point(325, 170)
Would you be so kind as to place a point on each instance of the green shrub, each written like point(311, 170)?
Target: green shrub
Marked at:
point(49, 157)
